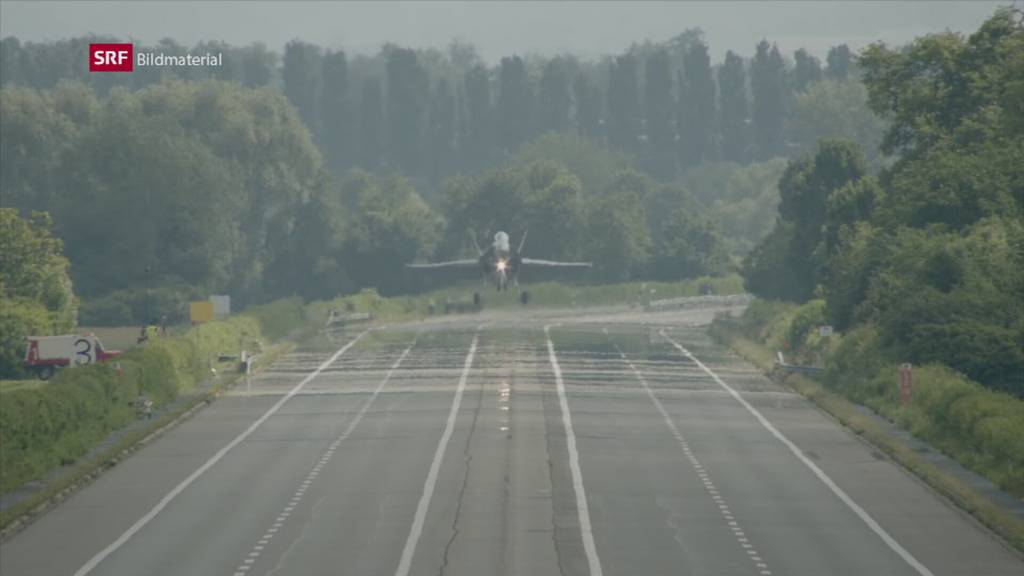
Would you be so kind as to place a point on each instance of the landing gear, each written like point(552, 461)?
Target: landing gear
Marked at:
point(524, 297)
point(477, 301)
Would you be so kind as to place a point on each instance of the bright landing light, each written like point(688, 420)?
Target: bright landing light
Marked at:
point(501, 265)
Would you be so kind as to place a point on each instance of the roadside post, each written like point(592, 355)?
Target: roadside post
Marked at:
point(906, 383)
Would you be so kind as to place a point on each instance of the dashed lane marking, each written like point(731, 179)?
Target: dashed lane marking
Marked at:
point(257, 549)
point(586, 532)
point(435, 466)
point(842, 495)
point(141, 522)
point(709, 485)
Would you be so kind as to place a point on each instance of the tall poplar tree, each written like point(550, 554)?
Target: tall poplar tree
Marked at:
point(734, 109)
point(769, 86)
point(660, 145)
point(697, 106)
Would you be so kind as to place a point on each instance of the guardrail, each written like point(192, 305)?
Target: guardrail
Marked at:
point(692, 302)
point(780, 363)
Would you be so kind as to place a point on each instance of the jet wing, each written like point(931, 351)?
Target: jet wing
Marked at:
point(449, 264)
point(554, 264)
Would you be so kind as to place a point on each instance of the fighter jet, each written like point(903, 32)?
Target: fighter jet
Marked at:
point(500, 265)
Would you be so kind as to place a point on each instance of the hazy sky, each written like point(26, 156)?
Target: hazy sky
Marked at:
point(588, 29)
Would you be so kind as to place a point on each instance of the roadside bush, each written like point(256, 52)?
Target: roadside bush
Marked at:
point(981, 428)
point(805, 320)
point(58, 422)
point(278, 318)
point(18, 319)
point(128, 307)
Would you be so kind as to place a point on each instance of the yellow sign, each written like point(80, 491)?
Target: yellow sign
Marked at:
point(201, 311)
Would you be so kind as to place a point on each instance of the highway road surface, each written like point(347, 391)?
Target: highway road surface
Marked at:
point(533, 444)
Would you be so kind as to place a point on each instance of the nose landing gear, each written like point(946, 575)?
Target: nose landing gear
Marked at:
point(524, 297)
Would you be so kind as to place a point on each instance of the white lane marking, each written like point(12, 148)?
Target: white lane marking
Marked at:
point(586, 531)
point(330, 451)
point(875, 526)
point(435, 466)
point(709, 485)
point(141, 522)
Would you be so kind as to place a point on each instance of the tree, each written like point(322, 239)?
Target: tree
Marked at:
point(807, 70)
point(515, 104)
point(337, 113)
point(661, 134)
point(623, 105)
point(35, 289)
point(36, 137)
point(588, 107)
point(689, 246)
point(389, 225)
point(834, 109)
point(371, 125)
point(618, 240)
point(33, 267)
point(258, 65)
point(302, 79)
point(942, 86)
point(734, 109)
point(839, 62)
point(407, 89)
point(10, 54)
point(697, 107)
point(769, 85)
point(555, 97)
point(478, 138)
point(441, 132)
point(797, 248)
point(596, 166)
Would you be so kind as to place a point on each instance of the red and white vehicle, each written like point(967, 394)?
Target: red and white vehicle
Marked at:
point(46, 354)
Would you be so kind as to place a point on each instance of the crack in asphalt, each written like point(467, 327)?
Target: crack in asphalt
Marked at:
point(467, 458)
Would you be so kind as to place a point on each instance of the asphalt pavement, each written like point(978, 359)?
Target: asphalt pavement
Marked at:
point(537, 443)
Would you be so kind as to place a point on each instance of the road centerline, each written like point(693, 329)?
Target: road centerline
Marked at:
point(428, 486)
point(170, 496)
point(583, 512)
point(825, 478)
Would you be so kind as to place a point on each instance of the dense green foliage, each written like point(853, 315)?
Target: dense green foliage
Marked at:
point(980, 427)
point(59, 421)
point(35, 289)
point(931, 252)
point(313, 173)
point(431, 114)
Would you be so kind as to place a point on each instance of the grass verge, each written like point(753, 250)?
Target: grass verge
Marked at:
point(850, 415)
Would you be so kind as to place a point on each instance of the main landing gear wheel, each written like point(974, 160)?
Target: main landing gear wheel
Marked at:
point(524, 297)
point(476, 300)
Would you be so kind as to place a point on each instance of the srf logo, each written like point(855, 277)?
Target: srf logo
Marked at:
point(111, 57)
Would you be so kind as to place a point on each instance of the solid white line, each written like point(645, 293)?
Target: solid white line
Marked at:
point(435, 466)
point(141, 522)
point(582, 510)
point(875, 527)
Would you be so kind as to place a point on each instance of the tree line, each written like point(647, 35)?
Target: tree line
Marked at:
point(314, 174)
point(925, 260)
point(430, 114)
